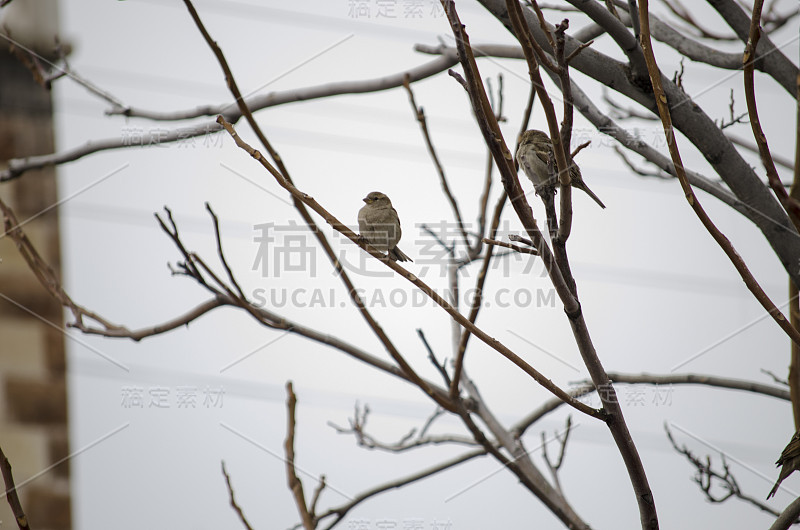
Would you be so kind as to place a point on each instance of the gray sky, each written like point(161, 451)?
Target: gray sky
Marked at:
point(655, 289)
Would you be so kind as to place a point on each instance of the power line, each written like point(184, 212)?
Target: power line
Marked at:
point(308, 19)
point(588, 271)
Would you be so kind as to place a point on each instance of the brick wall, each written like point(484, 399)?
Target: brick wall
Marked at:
point(33, 392)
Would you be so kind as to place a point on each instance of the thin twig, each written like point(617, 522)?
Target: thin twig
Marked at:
point(11, 493)
point(706, 477)
point(543, 24)
point(791, 205)
point(515, 248)
point(554, 467)
point(413, 439)
point(483, 203)
point(788, 163)
point(315, 498)
point(493, 137)
point(234, 505)
point(477, 298)
point(339, 512)
point(281, 174)
point(775, 378)
point(16, 167)
point(657, 172)
point(684, 14)
point(295, 485)
point(666, 119)
point(523, 240)
point(565, 213)
point(700, 379)
point(344, 230)
point(481, 279)
point(440, 367)
point(419, 113)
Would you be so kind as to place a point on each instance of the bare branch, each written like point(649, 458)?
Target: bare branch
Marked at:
point(414, 439)
point(235, 506)
point(315, 498)
point(344, 230)
point(753, 148)
point(793, 378)
point(475, 250)
point(50, 281)
point(658, 173)
point(281, 174)
point(440, 367)
point(788, 517)
point(775, 378)
point(423, 125)
point(768, 57)
point(183, 320)
point(295, 485)
point(733, 120)
point(565, 214)
point(18, 166)
point(494, 139)
point(520, 239)
point(791, 205)
point(741, 195)
point(522, 463)
point(481, 278)
point(684, 14)
point(698, 379)
point(617, 31)
point(554, 467)
point(515, 248)
point(620, 112)
point(339, 512)
point(544, 409)
point(477, 299)
point(719, 237)
point(11, 493)
point(701, 131)
point(706, 477)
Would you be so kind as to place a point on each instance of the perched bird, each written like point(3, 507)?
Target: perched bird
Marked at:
point(533, 154)
point(380, 226)
point(790, 460)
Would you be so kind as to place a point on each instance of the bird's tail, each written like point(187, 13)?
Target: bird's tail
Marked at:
point(398, 255)
point(781, 476)
point(589, 192)
point(774, 490)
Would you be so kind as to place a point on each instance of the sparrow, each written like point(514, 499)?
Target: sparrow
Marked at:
point(790, 460)
point(380, 226)
point(534, 152)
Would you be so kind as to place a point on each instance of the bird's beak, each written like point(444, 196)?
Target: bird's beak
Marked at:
point(366, 200)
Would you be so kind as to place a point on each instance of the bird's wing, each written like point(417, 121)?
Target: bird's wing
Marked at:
point(362, 220)
point(791, 451)
point(399, 228)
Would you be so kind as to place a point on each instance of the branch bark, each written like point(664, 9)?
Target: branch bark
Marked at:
point(665, 113)
point(232, 499)
point(788, 517)
point(791, 206)
point(494, 139)
point(769, 57)
point(18, 166)
point(295, 485)
point(700, 379)
point(483, 336)
point(11, 493)
point(283, 177)
point(690, 119)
